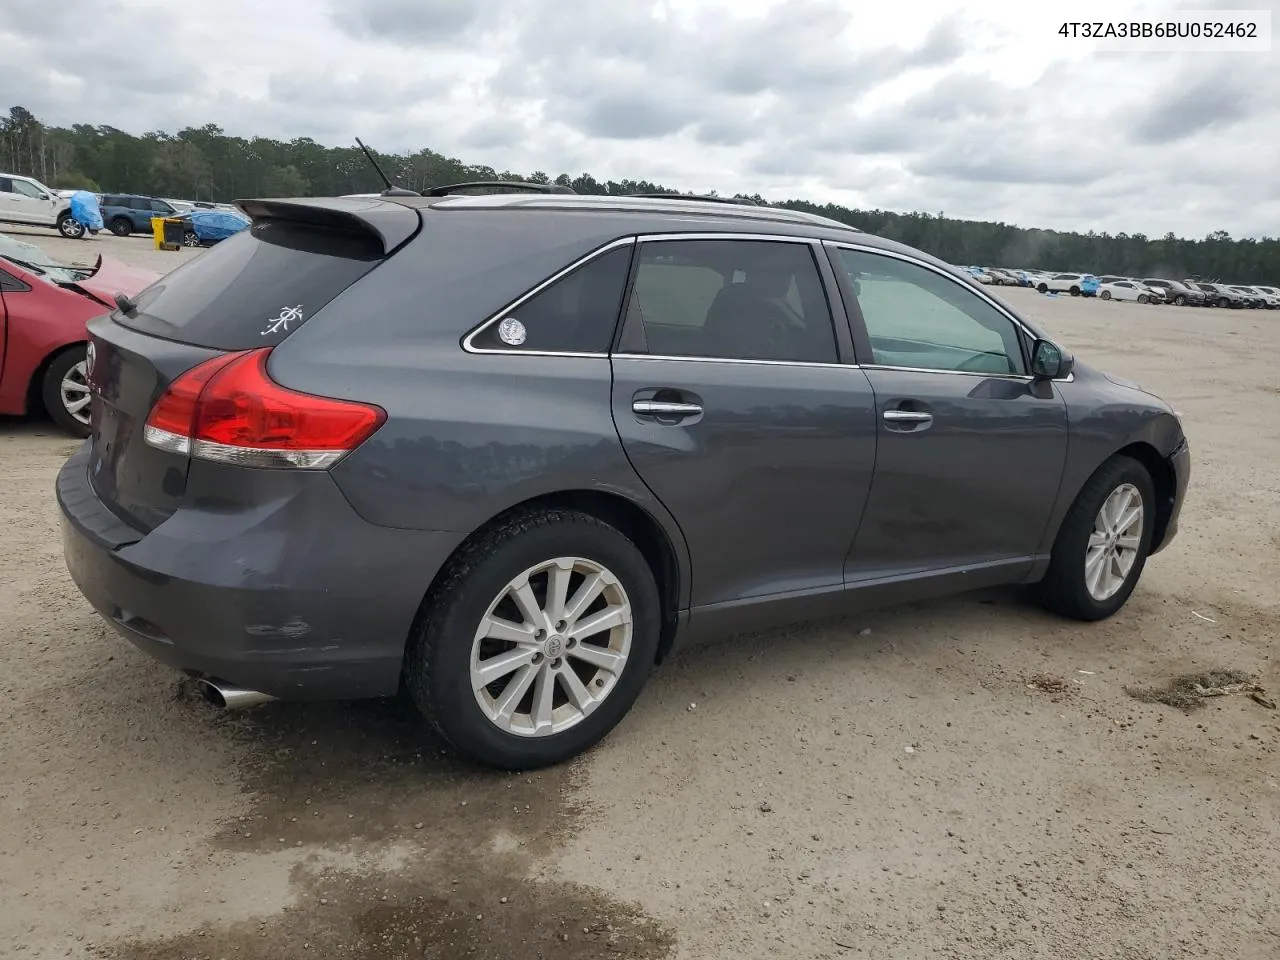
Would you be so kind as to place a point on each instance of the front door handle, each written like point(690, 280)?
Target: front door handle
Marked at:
point(907, 416)
point(665, 408)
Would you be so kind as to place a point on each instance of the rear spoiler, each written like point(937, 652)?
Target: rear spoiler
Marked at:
point(391, 224)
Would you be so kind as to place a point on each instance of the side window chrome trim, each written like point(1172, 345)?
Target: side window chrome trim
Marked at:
point(727, 235)
point(760, 363)
point(980, 293)
point(468, 340)
point(1024, 377)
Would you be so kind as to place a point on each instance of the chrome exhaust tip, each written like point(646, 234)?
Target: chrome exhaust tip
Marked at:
point(230, 697)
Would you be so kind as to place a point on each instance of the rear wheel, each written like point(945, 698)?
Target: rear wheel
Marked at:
point(1180, 300)
point(537, 641)
point(1106, 294)
point(1103, 544)
point(65, 391)
point(1043, 288)
point(70, 227)
point(120, 226)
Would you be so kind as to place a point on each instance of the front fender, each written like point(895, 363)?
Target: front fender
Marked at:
point(1106, 416)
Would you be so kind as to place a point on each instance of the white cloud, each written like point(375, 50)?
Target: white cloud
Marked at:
point(985, 114)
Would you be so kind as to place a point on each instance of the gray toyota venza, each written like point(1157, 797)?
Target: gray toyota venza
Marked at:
point(505, 451)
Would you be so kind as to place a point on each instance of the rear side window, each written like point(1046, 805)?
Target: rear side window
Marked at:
point(255, 288)
point(575, 314)
point(729, 299)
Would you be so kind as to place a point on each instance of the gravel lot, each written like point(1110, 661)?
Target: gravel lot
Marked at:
point(966, 778)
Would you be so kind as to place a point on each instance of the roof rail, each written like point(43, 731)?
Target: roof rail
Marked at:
point(740, 201)
point(497, 186)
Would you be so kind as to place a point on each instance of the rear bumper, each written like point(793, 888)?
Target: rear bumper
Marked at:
point(1180, 462)
point(298, 597)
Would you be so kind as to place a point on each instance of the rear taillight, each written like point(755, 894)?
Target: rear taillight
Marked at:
point(229, 410)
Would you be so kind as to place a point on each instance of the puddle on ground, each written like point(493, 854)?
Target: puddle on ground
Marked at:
point(407, 850)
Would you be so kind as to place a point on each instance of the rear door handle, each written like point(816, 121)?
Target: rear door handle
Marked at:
point(665, 408)
point(907, 416)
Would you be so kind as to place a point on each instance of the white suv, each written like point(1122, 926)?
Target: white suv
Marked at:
point(28, 201)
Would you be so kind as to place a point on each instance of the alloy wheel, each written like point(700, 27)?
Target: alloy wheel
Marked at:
point(1114, 543)
point(551, 647)
point(74, 391)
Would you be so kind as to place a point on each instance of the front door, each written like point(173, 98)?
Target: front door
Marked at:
point(971, 448)
point(735, 409)
point(36, 205)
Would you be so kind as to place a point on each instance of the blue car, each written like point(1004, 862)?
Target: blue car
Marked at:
point(126, 213)
point(206, 227)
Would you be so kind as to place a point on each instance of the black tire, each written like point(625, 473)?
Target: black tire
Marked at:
point(71, 228)
point(1143, 298)
point(438, 660)
point(1180, 300)
point(1075, 291)
point(120, 226)
point(1063, 590)
point(51, 391)
point(1106, 294)
point(191, 239)
point(1043, 288)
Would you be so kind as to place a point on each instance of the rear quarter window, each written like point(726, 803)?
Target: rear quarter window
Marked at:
point(256, 287)
point(576, 313)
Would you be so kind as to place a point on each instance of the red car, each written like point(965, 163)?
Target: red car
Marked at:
point(44, 306)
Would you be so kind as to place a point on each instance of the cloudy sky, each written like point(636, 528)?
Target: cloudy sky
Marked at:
point(909, 105)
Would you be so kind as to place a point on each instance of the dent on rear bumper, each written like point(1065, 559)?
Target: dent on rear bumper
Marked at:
point(297, 596)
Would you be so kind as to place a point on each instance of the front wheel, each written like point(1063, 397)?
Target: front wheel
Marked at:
point(1106, 294)
point(1103, 543)
point(537, 640)
point(65, 391)
point(120, 227)
point(1043, 288)
point(189, 239)
point(1075, 291)
point(1143, 298)
point(1180, 300)
point(70, 227)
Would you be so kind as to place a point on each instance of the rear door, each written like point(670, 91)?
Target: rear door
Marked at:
point(971, 448)
point(735, 408)
point(14, 206)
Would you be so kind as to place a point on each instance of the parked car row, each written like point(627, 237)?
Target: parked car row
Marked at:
point(28, 202)
point(1188, 292)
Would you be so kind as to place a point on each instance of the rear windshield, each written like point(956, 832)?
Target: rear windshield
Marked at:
point(254, 288)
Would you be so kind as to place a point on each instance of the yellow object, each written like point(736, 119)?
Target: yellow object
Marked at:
point(157, 234)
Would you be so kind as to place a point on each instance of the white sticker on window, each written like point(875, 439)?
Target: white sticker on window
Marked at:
point(512, 332)
point(281, 323)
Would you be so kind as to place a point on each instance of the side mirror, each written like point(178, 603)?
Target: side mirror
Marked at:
point(1049, 361)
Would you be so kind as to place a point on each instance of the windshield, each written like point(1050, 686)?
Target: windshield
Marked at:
point(31, 257)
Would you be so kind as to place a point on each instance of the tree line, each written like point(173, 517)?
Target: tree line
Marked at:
point(204, 163)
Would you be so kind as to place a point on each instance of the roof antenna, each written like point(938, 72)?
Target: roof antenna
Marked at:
point(392, 190)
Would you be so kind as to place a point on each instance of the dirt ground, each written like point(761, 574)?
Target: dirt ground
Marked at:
point(964, 779)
